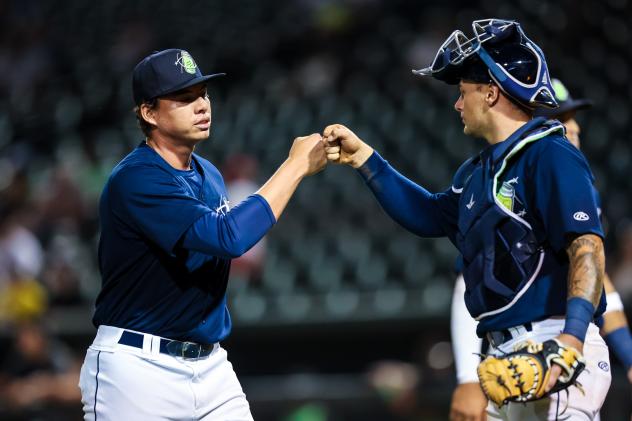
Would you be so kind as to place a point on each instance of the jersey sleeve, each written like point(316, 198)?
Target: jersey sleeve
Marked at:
point(564, 194)
point(154, 203)
point(419, 211)
point(232, 234)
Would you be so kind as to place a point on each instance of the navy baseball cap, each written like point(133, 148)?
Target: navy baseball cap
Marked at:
point(565, 100)
point(164, 72)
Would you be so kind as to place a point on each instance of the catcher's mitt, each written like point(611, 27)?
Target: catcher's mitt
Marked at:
point(522, 375)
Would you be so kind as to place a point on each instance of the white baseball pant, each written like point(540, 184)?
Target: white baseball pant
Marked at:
point(570, 404)
point(121, 382)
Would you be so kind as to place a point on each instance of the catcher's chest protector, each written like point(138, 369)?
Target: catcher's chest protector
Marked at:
point(501, 254)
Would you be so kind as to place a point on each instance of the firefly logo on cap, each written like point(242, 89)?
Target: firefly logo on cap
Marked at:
point(186, 62)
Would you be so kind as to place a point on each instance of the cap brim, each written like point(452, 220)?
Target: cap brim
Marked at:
point(565, 107)
point(189, 83)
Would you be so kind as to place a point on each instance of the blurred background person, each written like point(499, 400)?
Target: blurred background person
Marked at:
point(38, 372)
point(39, 376)
point(622, 273)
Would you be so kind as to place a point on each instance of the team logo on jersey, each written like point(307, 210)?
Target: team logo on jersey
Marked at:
point(581, 216)
point(224, 206)
point(603, 365)
point(186, 62)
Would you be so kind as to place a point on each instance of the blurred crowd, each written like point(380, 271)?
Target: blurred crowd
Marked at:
point(293, 67)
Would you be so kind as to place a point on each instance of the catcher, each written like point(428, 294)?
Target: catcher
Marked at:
point(468, 399)
point(523, 215)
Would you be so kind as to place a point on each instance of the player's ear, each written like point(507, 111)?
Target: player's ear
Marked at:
point(148, 113)
point(492, 94)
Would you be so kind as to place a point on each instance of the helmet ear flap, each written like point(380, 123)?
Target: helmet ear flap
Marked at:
point(545, 98)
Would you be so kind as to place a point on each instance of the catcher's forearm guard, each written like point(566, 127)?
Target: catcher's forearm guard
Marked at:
point(522, 375)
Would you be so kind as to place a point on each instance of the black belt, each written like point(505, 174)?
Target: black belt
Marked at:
point(189, 350)
point(499, 337)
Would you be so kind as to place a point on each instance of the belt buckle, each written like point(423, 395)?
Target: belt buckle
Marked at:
point(496, 338)
point(191, 350)
point(186, 350)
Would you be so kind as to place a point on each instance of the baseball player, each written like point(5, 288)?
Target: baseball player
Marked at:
point(468, 400)
point(521, 213)
point(167, 239)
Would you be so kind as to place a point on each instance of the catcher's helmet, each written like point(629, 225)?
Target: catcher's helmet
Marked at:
point(499, 52)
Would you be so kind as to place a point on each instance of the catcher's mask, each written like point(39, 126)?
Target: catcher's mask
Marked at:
point(499, 52)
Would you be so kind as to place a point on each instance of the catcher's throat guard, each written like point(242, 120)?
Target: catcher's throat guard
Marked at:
point(500, 52)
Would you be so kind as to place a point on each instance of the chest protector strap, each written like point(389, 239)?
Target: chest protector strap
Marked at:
point(501, 254)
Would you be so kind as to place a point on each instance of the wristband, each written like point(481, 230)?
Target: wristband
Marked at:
point(613, 302)
point(579, 314)
point(620, 342)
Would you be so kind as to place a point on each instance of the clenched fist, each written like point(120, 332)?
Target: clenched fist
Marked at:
point(309, 152)
point(344, 147)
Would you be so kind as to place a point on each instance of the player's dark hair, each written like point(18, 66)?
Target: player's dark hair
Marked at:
point(142, 123)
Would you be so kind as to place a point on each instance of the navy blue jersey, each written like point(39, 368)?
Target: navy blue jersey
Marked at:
point(548, 185)
point(151, 283)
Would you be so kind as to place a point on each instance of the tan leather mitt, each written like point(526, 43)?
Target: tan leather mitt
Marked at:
point(522, 375)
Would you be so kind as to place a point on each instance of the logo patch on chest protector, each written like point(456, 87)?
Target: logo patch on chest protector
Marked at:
point(471, 203)
point(508, 198)
point(506, 195)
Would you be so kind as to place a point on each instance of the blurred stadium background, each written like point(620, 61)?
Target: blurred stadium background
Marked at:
point(341, 314)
